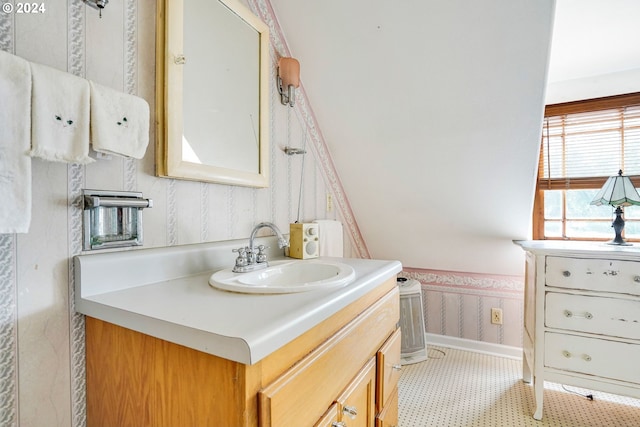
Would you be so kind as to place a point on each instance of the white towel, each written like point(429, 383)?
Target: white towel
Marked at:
point(59, 116)
point(330, 237)
point(119, 122)
point(15, 163)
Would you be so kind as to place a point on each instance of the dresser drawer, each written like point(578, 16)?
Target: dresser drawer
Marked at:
point(598, 315)
point(593, 274)
point(592, 356)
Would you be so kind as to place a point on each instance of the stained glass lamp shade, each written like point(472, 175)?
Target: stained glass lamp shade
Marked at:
point(618, 191)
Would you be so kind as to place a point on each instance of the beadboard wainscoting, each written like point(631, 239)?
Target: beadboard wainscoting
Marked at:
point(458, 305)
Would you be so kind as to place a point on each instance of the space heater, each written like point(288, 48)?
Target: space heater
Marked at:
point(414, 343)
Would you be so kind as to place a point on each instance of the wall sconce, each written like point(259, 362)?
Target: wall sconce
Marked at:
point(288, 79)
point(97, 4)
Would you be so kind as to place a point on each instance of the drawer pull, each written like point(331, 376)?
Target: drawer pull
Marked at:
point(586, 315)
point(338, 424)
point(397, 367)
point(586, 357)
point(566, 354)
point(566, 273)
point(352, 411)
point(636, 279)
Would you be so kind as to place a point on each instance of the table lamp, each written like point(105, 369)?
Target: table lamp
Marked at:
point(618, 191)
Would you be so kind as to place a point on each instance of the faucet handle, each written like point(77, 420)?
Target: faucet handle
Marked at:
point(242, 259)
point(261, 256)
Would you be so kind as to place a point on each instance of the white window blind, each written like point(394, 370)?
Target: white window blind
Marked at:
point(580, 150)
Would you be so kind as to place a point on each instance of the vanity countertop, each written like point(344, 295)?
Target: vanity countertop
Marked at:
point(170, 298)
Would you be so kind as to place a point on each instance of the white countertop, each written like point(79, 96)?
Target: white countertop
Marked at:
point(580, 248)
point(183, 308)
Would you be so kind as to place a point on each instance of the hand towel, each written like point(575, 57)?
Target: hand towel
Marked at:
point(59, 116)
point(15, 126)
point(330, 237)
point(119, 122)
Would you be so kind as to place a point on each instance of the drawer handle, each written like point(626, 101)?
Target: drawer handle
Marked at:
point(566, 273)
point(397, 367)
point(586, 357)
point(586, 315)
point(352, 411)
point(566, 354)
point(636, 279)
point(338, 424)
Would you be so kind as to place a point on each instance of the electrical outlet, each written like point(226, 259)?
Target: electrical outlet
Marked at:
point(496, 316)
point(329, 202)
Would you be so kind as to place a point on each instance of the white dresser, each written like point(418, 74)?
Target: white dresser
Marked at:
point(582, 317)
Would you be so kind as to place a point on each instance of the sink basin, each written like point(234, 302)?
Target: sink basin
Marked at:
point(287, 276)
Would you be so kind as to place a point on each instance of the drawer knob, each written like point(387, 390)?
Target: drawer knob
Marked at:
point(586, 357)
point(568, 313)
point(636, 279)
point(588, 315)
point(566, 273)
point(351, 411)
point(566, 354)
point(397, 367)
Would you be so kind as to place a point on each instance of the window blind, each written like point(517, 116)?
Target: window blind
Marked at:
point(582, 149)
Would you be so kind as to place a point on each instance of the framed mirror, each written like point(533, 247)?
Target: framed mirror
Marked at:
point(212, 89)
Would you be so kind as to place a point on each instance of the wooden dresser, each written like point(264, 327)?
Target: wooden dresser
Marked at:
point(581, 317)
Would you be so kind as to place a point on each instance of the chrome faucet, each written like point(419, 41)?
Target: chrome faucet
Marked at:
point(250, 260)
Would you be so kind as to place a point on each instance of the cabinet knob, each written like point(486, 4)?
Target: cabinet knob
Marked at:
point(566, 273)
point(636, 279)
point(586, 357)
point(568, 313)
point(352, 411)
point(397, 367)
point(566, 354)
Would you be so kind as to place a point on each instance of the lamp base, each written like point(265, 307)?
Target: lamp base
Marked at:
point(623, 243)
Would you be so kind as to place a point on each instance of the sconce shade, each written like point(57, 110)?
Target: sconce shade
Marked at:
point(617, 191)
point(289, 72)
point(288, 80)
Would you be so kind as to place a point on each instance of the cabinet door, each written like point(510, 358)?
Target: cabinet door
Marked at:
point(357, 401)
point(388, 368)
point(330, 418)
point(389, 415)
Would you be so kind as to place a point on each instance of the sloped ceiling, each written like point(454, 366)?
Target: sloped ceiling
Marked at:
point(432, 112)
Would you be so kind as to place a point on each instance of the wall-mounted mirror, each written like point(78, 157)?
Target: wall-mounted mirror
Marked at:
point(212, 85)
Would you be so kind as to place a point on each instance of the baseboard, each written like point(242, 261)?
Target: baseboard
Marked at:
point(475, 346)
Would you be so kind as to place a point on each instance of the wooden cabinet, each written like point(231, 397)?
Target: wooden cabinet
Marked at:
point(582, 318)
point(137, 380)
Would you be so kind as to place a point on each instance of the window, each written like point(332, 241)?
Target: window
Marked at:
point(583, 143)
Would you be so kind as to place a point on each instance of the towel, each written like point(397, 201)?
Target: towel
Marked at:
point(15, 163)
point(330, 237)
point(119, 122)
point(59, 116)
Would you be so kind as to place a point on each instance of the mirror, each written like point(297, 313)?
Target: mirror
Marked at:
point(212, 86)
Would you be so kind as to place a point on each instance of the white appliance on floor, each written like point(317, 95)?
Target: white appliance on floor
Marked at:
point(414, 342)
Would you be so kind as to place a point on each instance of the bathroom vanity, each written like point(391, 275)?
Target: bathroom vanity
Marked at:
point(582, 317)
point(163, 348)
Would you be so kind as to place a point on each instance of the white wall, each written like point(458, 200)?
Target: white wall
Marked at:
point(432, 110)
point(42, 353)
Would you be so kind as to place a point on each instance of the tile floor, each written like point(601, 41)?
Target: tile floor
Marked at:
point(459, 388)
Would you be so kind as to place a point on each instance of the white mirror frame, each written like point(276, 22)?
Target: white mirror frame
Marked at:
point(169, 101)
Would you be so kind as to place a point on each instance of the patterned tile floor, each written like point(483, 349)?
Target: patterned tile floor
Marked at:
point(456, 388)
